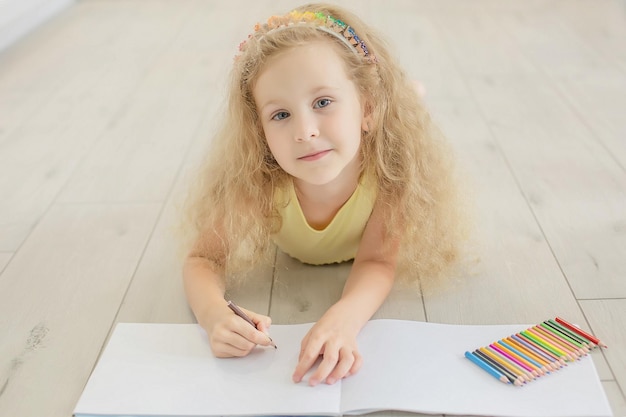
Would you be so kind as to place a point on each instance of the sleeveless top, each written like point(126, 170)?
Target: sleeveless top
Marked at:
point(337, 242)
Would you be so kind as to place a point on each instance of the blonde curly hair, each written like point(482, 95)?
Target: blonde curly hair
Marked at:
point(231, 208)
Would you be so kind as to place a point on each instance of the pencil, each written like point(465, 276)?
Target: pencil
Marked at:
point(554, 360)
point(528, 376)
point(534, 366)
point(546, 346)
point(562, 340)
point(485, 366)
point(514, 379)
point(499, 359)
point(576, 336)
point(557, 342)
point(528, 351)
point(546, 325)
point(545, 365)
point(580, 332)
point(514, 360)
point(244, 316)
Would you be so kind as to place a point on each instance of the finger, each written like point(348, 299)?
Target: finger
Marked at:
point(263, 328)
point(346, 361)
point(308, 356)
point(358, 361)
point(226, 344)
point(250, 333)
point(227, 341)
point(225, 350)
point(262, 322)
point(303, 345)
point(331, 358)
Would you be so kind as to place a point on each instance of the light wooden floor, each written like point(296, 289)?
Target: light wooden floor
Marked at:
point(105, 110)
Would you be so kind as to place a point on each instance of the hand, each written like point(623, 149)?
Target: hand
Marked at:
point(231, 336)
point(335, 339)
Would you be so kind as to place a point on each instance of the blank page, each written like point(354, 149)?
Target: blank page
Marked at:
point(415, 366)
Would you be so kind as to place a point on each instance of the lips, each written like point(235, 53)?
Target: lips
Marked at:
point(315, 155)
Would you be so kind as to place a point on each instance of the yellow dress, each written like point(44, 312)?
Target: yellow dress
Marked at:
point(337, 242)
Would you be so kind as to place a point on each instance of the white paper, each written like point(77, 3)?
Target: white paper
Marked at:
point(168, 370)
point(426, 371)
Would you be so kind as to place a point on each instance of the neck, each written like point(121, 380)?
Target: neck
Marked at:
point(341, 187)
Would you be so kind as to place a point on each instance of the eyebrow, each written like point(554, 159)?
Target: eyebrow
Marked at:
point(313, 91)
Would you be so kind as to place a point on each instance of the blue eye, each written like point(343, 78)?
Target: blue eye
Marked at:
point(280, 115)
point(321, 103)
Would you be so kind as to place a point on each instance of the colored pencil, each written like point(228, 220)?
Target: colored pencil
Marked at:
point(529, 335)
point(547, 365)
point(580, 332)
point(555, 360)
point(534, 352)
point(566, 332)
point(584, 343)
point(581, 350)
point(547, 342)
point(514, 360)
point(559, 343)
point(485, 366)
point(504, 362)
point(558, 331)
point(514, 379)
point(510, 375)
point(574, 335)
point(521, 357)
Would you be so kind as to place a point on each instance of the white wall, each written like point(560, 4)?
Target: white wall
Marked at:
point(18, 17)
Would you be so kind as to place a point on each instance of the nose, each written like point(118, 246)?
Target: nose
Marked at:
point(306, 128)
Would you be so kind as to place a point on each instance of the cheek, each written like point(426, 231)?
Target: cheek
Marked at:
point(270, 138)
point(350, 128)
point(276, 146)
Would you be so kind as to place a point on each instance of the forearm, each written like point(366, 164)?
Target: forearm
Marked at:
point(365, 290)
point(204, 288)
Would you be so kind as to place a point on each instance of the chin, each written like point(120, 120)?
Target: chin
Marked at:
point(318, 179)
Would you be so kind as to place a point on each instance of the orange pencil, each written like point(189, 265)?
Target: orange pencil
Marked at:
point(526, 369)
point(512, 368)
point(534, 369)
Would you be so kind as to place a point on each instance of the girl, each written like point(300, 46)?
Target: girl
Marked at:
point(326, 152)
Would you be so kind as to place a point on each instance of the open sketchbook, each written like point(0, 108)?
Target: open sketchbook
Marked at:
point(168, 370)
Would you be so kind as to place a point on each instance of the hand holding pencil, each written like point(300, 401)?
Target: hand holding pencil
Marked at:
point(234, 334)
point(239, 312)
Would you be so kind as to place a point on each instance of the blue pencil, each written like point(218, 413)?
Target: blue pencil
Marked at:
point(486, 367)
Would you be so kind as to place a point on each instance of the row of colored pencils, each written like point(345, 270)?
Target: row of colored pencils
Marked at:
point(534, 352)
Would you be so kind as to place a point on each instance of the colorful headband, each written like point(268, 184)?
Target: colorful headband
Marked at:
point(320, 21)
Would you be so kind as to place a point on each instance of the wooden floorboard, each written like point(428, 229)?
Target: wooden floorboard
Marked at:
point(58, 298)
point(107, 109)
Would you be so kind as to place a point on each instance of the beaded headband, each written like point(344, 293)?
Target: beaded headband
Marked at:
point(318, 20)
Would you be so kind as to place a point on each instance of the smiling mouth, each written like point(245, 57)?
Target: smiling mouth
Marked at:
point(314, 156)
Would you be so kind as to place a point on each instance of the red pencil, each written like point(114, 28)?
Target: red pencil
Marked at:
point(580, 332)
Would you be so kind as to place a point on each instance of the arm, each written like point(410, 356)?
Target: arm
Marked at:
point(229, 335)
point(334, 335)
